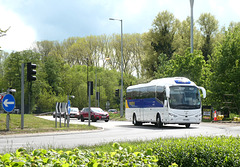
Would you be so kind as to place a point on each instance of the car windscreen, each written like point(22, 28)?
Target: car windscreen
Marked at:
point(97, 110)
point(73, 110)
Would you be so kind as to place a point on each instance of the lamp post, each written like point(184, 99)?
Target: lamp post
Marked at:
point(121, 98)
point(87, 79)
point(191, 4)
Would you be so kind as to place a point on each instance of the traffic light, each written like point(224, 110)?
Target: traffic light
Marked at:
point(117, 93)
point(31, 72)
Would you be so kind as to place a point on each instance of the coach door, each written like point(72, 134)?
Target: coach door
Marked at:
point(161, 97)
point(142, 107)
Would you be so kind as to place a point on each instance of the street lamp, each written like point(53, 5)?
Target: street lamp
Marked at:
point(121, 98)
point(191, 4)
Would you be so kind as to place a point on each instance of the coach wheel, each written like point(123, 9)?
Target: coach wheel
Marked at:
point(159, 123)
point(135, 122)
point(187, 125)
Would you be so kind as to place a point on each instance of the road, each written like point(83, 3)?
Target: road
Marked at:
point(112, 131)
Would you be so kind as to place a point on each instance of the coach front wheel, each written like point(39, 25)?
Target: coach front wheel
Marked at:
point(159, 123)
point(187, 125)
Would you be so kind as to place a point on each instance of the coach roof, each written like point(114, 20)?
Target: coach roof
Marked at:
point(165, 81)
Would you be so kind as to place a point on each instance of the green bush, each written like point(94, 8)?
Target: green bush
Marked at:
point(200, 151)
point(192, 151)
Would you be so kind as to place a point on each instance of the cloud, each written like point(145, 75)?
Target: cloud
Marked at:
point(20, 36)
point(37, 20)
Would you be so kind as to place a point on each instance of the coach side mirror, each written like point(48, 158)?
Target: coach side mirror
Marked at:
point(203, 91)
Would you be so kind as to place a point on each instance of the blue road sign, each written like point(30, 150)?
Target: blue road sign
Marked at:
point(8, 102)
point(68, 106)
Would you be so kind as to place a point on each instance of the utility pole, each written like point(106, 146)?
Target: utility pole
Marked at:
point(22, 97)
point(191, 4)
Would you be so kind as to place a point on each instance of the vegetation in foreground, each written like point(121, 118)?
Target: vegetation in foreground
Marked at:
point(192, 151)
point(116, 117)
point(33, 124)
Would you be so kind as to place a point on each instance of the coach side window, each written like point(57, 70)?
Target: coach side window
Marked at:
point(135, 93)
point(142, 93)
point(129, 94)
point(151, 92)
point(160, 94)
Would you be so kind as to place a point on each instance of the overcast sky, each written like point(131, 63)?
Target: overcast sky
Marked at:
point(37, 20)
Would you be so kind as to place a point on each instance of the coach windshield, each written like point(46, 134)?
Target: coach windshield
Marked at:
point(184, 97)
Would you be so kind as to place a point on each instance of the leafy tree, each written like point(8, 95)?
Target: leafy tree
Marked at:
point(3, 56)
point(43, 47)
point(12, 72)
point(165, 67)
point(225, 77)
point(162, 33)
point(52, 68)
point(105, 50)
point(3, 32)
point(189, 65)
point(134, 53)
point(159, 39)
point(182, 38)
point(209, 27)
point(92, 44)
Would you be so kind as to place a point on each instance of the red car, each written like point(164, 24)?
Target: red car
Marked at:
point(96, 114)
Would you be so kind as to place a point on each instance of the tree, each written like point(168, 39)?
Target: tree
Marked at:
point(163, 32)
point(225, 75)
point(105, 50)
point(182, 38)
point(52, 68)
point(43, 47)
point(3, 32)
point(209, 28)
point(136, 47)
point(159, 39)
point(189, 65)
point(12, 73)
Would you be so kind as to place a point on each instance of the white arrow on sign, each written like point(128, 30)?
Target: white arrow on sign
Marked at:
point(6, 102)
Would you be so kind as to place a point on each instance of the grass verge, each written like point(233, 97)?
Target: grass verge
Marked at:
point(34, 124)
point(116, 117)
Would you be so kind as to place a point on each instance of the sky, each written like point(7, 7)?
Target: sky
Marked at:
point(57, 20)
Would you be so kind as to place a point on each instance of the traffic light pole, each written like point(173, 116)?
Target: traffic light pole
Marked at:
point(89, 103)
point(29, 97)
point(22, 97)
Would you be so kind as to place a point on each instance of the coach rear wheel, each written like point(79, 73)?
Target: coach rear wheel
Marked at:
point(135, 122)
point(159, 123)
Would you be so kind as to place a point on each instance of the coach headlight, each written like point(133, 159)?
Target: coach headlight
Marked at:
point(198, 115)
point(172, 115)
